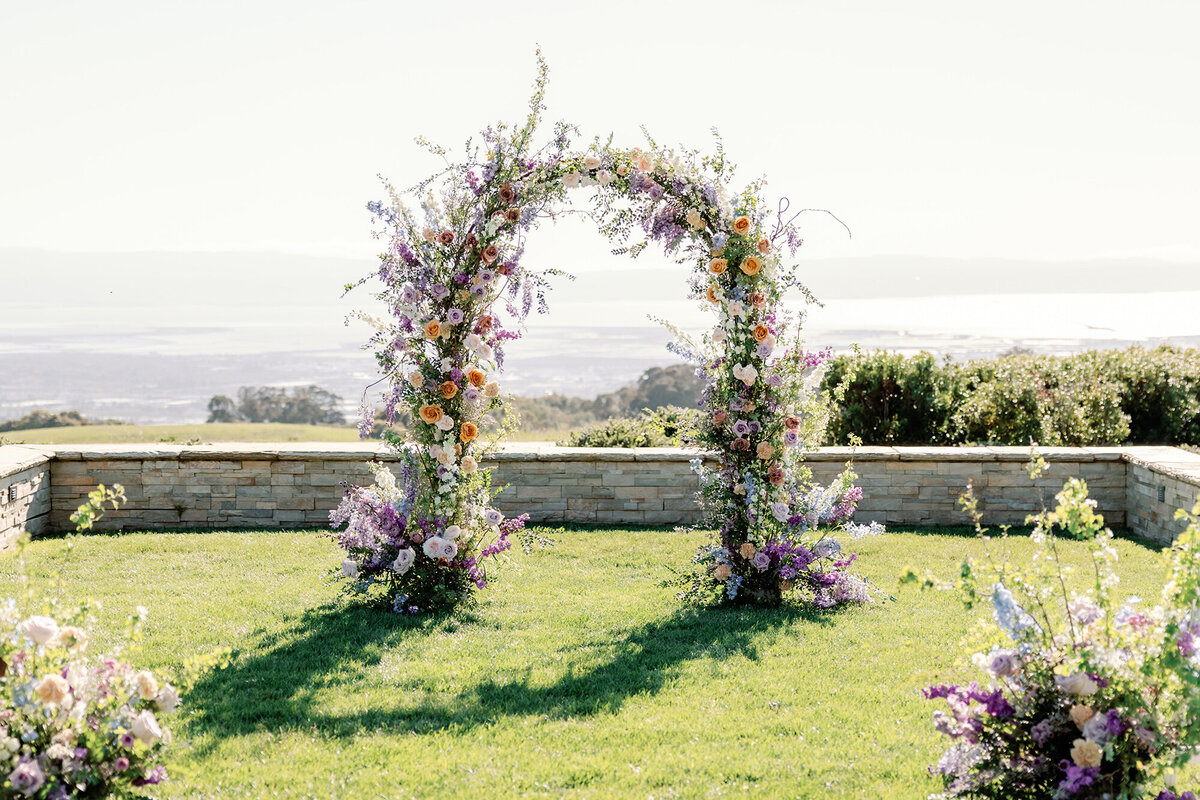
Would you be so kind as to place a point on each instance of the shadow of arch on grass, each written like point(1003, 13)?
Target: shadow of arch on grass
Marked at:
point(277, 688)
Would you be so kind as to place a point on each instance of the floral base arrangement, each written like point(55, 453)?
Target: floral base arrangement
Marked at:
point(1080, 696)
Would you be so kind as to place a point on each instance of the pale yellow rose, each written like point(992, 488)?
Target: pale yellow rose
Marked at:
point(469, 464)
point(623, 170)
point(147, 686)
point(72, 638)
point(492, 389)
point(695, 219)
point(722, 572)
point(591, 162)
point(53, 689)
point(1086, 753)
point(416, 379)
point(747, 550)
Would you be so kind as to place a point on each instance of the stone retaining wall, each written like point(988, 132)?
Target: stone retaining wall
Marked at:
point(278, 485)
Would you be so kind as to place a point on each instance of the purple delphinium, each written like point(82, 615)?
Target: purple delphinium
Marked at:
point(1077, 777)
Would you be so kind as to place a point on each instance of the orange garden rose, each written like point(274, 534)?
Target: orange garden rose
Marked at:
point(761, 332)
point(764, 245)
point(433, 329)
point(711, 294)
point(717, 266)
point(490, 254)
point(741, 226)
point(431, 414)
point(468, 431)
point(751, 265)
point(477, 378)
point(449, 389)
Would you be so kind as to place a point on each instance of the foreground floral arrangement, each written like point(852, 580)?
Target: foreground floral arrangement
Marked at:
point(451, 273)
point(1084, 697)
point(74, 723)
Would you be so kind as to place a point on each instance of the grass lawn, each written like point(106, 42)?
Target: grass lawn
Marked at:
point(577, 675)
point(212, 432)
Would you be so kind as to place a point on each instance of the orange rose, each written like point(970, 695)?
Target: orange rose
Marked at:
point(761, 332)
point(751, 265)
point(446, 237)
point(717, 266)
point(431, 414)
point(741, 225)
point(468, 431)
point(490, 254)
point(711, 294)
point(433, 329)
point(449, 389)
point(477, 378)
point(764, 245)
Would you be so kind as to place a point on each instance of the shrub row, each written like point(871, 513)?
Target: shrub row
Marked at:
point(1133, 396)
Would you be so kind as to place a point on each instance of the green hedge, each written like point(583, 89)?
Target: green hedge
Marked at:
point(1133, 396)
point(665, 426)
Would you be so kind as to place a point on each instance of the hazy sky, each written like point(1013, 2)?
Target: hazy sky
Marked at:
point(1020, 129)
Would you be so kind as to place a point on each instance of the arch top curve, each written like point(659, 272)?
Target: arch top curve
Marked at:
point(452, 274)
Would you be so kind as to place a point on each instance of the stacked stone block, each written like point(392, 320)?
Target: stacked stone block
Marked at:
point(24, 492)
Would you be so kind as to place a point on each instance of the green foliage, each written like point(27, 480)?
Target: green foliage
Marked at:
point(666, 426)
point(1132, 396)
point(305, 405)
point(87, 514)
point(53, 419)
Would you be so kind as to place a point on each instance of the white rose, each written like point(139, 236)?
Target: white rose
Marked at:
point(447, 364)
point(444, 456)
point(604, 177)
point(473, 342)
point(416, 379)
point(493, 517)
point(167, 699)
point(41, 629)
point(469, 465)
point(147, 686)
point(449, 549)
point(735, 309)
point(433, 546)
point(591, 162)
point(571, 181)
point(350, 568)
point(145, 727)
point(1079, 684)
point(404, 560)
point(718, 336)
point(446, 423)
point(452, 532)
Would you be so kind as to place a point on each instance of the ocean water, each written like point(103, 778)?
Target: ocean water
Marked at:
point(160, 362)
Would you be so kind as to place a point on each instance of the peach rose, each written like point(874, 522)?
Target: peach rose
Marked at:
point(591, 162)
point(485, 323)
point(695, 219)
point(1081, 714)
point(719, 416)
point(717, 266)
point(428, 235)
point(757, 299)
point(764, 245)
point(431, 414)
point(71, 637)
point(433, 329)
point(449, 389)
point(476, 378)
point(490, 254)
point(623, 170)
point(751, 265)
point(765, 451)
point(645, 164)
point(468, 431)
point(722, 572)
point(792, 423)
point(491, 390)
point(469, 465)
point(147, 686)
point(741, 226)
point(507, 193)
point(747, 550)
point(775, 476)
point(53, 689)
point(416, 379)
point(761, 332)
point(1086, 753)
point(786, 586)
point(446, 237)
point(711, 294)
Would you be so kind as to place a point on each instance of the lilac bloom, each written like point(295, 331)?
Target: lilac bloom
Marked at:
point(454, 316)
point(439, 291)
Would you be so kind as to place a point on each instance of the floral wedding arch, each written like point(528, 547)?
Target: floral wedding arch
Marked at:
point(456, 288)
